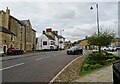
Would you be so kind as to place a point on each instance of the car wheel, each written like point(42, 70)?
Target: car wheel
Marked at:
point(8, 54)
point(15, 53)
point(18, 53)
point(68, 54)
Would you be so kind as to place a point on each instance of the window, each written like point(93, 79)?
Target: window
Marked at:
point(61, 42)
point(44, 42)
point(52, 43)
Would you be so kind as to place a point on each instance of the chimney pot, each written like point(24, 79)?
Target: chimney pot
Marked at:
point(49, 30)
point(8, 11)
point(43, 32)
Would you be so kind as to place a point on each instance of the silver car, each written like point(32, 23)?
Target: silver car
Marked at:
point(75, 50)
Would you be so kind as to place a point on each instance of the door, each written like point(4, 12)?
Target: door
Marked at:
point(4, 49)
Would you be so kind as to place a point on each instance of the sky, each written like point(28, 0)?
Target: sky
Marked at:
point(73, 19)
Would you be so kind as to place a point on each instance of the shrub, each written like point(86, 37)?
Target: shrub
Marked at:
point(97, 56)
point(97, 66)
point(117, 58)
point(86, 66)
point(98, 59)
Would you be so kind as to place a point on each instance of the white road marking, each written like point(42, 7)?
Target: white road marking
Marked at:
point(11, 66)
point(62, 70)
point(42, 58)
point(21, 64)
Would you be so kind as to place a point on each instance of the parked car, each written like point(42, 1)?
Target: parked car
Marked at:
point(110, 48)
point(118, 47)
point(105, 48)
point(1, 52)
point(75, 50)
point(14, 51)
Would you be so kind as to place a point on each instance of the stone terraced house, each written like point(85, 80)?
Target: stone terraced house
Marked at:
point(16, 33)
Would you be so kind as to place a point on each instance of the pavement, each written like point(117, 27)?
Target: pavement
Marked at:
point(102, 75)
point(8, 57)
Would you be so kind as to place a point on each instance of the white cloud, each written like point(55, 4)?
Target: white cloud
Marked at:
point(60, 0)
point(75, 18)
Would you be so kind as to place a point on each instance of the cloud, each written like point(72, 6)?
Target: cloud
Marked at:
point(75, 18)
point(67, 14)
point(60, 0)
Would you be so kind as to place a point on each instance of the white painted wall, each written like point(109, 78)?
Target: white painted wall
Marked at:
point(44, 38)
point(40, 45)
point(61, 45)
point(56, 42)
point(51, 46)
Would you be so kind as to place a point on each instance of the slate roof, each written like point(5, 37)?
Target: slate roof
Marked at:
point(33, 30)
point(59, 36)
point(3, 29)
point(82, 40)
point(55, 34)
point(50, 37)
point(23, 22)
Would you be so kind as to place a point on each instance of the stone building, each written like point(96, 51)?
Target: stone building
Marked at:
point(33, 39)
point(30, 35)
point(16, 33)
point(5, 38)
point(83, 43)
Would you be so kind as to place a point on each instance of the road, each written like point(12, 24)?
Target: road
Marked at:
point(37, 68)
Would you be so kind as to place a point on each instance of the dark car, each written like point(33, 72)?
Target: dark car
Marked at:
point(75, 50)
point(14, 51)
point(117, 47)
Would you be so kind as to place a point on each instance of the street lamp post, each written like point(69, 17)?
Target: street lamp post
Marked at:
point(97, 22)
point(97, 18)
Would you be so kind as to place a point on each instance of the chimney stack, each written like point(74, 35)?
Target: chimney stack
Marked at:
point(43, 32)
point(49, 30)
point(55, 32)
point(8, 11)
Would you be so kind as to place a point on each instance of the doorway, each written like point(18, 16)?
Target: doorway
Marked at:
point(4, 48)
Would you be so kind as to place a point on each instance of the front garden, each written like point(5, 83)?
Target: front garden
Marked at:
point(97, 60)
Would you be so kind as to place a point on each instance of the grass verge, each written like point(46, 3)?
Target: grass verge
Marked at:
point(97, 60)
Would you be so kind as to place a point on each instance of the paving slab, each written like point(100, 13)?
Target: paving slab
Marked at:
point(102, 75)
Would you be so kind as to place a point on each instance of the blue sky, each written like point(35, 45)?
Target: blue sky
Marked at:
point(74, 17)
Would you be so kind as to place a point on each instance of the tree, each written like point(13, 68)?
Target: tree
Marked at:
point(103, 39)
